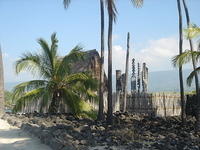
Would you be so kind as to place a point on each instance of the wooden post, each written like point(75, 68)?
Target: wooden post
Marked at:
point(126, 72)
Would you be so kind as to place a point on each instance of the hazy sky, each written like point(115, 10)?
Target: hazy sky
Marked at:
point(153, 28)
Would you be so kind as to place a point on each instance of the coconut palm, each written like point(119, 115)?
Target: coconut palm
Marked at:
point(101, 85)
point(1, 84)
point(112, 14)
point(57, 84)
point(180, 67)
point(189, 56)
point(192, 49)
point(184, 58)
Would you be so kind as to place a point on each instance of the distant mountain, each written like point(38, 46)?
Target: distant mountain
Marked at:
point(160, 81)
point(167, 81)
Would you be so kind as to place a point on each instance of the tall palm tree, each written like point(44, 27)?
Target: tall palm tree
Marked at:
point(101, 85)
point(183, 116)
point(112, 11)
point(1, 84)
point(101, 88)
point(186, 57)
point(192, 49)
point(112, 14)
point(58, 83)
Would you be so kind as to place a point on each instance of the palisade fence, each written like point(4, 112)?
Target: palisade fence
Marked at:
point(156, 104)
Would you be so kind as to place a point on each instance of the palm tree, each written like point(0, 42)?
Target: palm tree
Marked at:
point(192, 49)
point(112, 14)
point(101, 88)
point(57, 84)
point(183, 116)
point(186, 57)
point(112, 11)
point(101, 85)
point(182, 59)
point(1, 84)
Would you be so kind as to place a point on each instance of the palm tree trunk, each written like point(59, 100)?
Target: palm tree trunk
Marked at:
point(126, 73)
point(1, 85)
point(193, 64)
point(183, 116)
point(110, 30)
point(101, 88)
point(54, 106)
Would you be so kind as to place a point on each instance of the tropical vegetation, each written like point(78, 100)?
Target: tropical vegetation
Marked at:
point(8, 100)
point(186, 57)
point(183, 116)
point(58, 84)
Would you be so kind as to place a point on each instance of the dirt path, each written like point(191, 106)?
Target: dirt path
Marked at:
point(12, 138)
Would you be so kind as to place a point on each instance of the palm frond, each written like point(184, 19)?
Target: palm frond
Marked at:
point(72, 100)
point(91, 83)
point(28, 62)
point(66, 3)
point(193, 31)
point(47, 57)
point(54, 45)
point(74, 78)
point(192, 75)
point(75, 55)
point(27, 98)
point(184, 58)
point(87, 88)
point(47, 96)
point(137, 3)
point(112, 9)
point(20, 89)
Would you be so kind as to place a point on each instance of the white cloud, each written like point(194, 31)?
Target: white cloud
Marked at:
point(157, 54)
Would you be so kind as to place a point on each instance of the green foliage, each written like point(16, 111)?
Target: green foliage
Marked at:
point(188, 55)
point(193, 31)
point(58, 82)
point(89, 114)
point(8, 99)
point(190, 93)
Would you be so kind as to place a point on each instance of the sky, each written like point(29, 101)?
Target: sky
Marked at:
point(153, 29)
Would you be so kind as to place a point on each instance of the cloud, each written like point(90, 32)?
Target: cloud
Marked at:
point(157, 54)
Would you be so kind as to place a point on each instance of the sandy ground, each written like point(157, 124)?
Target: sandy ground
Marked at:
point(13, 138)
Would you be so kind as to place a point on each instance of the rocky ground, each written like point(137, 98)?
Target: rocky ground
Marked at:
point(128, 132)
